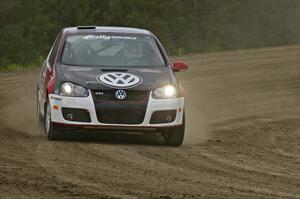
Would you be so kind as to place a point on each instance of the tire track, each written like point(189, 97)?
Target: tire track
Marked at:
point(242, 138)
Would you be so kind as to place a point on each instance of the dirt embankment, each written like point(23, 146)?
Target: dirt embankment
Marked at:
point(243, 138)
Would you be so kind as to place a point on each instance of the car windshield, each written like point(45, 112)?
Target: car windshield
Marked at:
point(112, 50)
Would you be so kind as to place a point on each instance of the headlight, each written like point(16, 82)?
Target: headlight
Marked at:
point(165, 92)
point(73, 90)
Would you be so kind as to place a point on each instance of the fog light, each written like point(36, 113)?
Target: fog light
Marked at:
point(70, 116)
point(169, 118)
point(76, 115)
point(163, 117)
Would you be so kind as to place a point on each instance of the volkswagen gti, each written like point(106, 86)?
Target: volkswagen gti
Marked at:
point(110, 78)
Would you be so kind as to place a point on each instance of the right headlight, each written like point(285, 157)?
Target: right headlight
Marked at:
point(165, 92)
point(72, 90)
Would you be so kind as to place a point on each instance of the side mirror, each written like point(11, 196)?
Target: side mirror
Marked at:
point(179, 66)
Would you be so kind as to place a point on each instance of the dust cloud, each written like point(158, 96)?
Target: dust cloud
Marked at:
point(19, 113)
point(196, 125)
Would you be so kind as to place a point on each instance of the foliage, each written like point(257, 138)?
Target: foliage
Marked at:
point(28, 27)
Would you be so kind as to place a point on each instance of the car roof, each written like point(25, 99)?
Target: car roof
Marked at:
point(99, 29)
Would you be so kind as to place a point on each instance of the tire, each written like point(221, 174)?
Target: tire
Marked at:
point(174, 136)
point(38, 109)
point(53, 132)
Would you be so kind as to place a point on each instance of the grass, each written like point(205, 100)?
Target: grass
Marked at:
point(17, 67)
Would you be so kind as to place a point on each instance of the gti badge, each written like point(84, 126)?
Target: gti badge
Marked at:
point(119, 80)
point(120, 94)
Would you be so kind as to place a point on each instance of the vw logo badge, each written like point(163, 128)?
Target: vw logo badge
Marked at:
point(120, 94)
point(119, 80)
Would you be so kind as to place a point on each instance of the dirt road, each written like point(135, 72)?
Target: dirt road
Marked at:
point(243, 138)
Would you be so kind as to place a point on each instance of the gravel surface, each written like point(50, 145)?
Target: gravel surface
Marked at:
point(242, 138)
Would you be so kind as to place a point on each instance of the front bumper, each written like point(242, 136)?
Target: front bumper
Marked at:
point(58, 102)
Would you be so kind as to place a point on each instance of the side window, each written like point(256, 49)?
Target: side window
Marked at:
point(54, 50)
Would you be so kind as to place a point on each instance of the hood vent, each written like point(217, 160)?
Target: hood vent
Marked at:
point(114, 70)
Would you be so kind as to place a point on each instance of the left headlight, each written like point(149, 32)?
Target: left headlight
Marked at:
point(165, 92)
point(72, 90)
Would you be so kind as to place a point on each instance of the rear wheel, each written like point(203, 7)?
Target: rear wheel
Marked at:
point(174, 136)
point(53, 132)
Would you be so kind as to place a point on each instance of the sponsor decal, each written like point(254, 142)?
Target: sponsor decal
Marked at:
point(119, 80)
point(99, 93)
point(124, 37)
point(108, 37)
point(96, 37)
point(56, 98)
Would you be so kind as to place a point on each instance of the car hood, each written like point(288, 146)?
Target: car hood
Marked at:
point(151, 78)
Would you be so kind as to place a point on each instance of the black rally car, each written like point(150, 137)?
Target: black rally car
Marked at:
point(110, 78)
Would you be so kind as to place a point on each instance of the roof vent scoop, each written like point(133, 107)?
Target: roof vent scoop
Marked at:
point(85, 27)
point(113, 70)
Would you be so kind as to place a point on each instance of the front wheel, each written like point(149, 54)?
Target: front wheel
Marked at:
point(53, 132)
point(174, 136)
point(38, 107)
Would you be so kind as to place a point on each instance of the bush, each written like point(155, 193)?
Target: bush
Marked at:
point(29, 27)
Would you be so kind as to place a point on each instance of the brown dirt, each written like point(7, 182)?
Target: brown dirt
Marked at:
point(243, 138)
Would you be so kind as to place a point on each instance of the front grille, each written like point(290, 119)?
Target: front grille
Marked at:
point(121, 116)
point(109, 95)
point(111, 110)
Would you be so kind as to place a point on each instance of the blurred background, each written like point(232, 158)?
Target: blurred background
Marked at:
point(29, 27)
